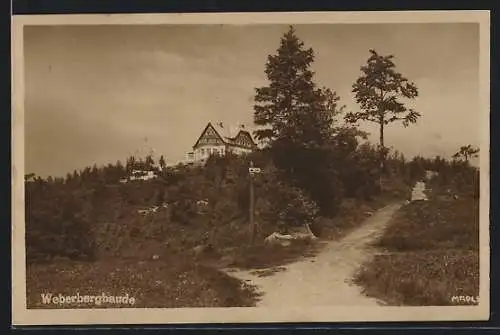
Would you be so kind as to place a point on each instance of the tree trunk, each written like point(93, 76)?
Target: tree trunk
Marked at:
point(382, 153)
point(381, 145)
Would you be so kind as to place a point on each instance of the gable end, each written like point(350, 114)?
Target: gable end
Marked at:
point(208, 133)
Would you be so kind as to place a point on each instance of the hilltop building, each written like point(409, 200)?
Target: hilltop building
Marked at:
point(219, 139)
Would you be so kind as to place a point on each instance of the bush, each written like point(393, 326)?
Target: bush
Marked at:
point(57, 224)
point(311, 169)
point(183, 211)
point(359, 173)
point(280, 205)
point(294, 208)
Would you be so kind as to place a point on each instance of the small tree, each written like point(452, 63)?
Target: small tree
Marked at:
point(379, 91)
point(162, 163)
point(466, 152)
point(131, 164)
point(149, 162)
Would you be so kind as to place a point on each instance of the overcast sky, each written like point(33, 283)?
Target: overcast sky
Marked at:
point(94, 93)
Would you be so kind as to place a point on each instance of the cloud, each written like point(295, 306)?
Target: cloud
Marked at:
point(93, 93)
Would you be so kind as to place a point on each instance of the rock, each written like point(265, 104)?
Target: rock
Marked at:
point(198, 249)
point(302, 233)
point(156, 257)
point(303, 237)
point(285, 243)
point(203, 248)
point(148, 210)
point(202, 206)
point(279, 239)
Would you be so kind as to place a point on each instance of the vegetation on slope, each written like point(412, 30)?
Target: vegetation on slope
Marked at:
point(431, 248)
point(80, 226)
point(317, 170)
point(152, 284)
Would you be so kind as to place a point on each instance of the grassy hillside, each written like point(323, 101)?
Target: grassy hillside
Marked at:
point(152, 283)
point(430, 251)
point(83, 229)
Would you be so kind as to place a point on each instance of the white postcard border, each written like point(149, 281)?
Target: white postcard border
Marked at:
point(23, 316)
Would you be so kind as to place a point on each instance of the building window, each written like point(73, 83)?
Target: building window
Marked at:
point(203, 152)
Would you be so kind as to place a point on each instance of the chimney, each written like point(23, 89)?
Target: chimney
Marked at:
point(221, 124)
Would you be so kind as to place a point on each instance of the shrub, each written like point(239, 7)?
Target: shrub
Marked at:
point(183, 211)
point(58, 224)
point(280, 205)
point(359, 173)
point(294, 208)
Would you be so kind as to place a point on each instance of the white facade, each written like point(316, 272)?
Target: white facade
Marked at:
point(239, 150)
point(203, 152)
point(219, 140)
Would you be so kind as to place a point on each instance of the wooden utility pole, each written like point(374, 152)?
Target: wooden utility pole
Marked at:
point(251, 206)
point(251, 172)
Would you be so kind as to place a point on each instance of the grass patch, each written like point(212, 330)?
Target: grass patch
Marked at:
point(261, 256)
point(431, 253)
point(153, 284)
point(422, 278)
point(434, 224)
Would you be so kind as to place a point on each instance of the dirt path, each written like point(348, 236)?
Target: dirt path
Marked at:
point(418, 192)
point(324, 279)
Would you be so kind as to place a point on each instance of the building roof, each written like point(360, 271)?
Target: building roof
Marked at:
point(226, 132)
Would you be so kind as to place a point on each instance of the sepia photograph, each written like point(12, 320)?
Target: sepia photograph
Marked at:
point(251, 167)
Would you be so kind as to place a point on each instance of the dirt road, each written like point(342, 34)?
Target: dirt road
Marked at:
point(418, 192)
point(324, 279)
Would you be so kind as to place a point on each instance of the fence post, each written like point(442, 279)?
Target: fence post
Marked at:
point(251, 206)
